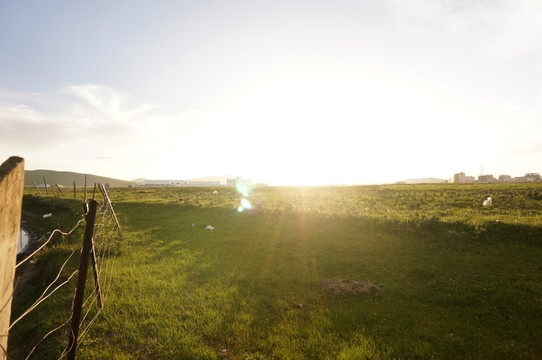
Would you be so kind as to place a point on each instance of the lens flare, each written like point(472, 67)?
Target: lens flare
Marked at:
point(244, 187)
point(245, 205)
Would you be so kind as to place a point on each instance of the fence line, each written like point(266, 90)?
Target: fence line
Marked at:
point(101, 250)
point(82, 278)
point(59, 189)
point(37, 188)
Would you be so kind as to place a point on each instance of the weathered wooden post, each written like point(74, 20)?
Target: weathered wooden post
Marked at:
point(85, 194)
point(82, 278)
point(109, 206)
point(37, 188)
point(94, 259)
point(45, 183)
point(58, 187)
point(74, 193)
point(11, 200)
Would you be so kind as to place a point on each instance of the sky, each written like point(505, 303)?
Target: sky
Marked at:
point(283, 92)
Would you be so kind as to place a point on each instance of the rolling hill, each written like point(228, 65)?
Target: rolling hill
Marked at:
point(66, 178)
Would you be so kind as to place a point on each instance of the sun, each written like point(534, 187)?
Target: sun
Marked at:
point(329, 130)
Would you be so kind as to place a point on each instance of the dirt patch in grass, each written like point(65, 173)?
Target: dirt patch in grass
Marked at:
point(23, 275)
point(343, 286)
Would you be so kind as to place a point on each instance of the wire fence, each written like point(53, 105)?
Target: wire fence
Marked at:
point(104, 235)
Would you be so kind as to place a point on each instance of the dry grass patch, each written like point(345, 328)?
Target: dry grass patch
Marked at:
point(343, 286)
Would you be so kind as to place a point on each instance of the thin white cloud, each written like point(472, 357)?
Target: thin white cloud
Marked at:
point(23, 126)
point(113, 105)
point(81, 124)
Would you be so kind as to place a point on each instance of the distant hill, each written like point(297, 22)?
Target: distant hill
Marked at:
point(423, 181)
point(66, 178)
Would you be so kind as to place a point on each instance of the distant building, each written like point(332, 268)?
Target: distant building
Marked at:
point(160, 182)
point(462, 178)
point(459, 177)
point(202, 183)
point(238, 181)
point(168, 183)
point(486, 179)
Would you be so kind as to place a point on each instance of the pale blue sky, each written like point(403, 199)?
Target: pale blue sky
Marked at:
point(304, 92)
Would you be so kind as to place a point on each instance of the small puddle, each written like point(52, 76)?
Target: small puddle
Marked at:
point(24, 238)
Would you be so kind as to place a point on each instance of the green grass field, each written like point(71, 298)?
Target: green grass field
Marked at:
point(456, 280)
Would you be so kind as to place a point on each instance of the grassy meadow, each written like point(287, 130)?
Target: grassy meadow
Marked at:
point(456, 279)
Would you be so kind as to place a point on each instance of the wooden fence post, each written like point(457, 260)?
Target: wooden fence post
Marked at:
point(11, 200)
point(85, 194)
point(82, 278)
point(96, 276)
point(45, 183)
point(36, 186)
point(58, 187)
point(74, 190)
point(109, 206)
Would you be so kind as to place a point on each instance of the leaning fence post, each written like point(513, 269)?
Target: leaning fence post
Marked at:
point(96, 276)
point(82, 278)
point(109, 206)
point(11, 200)
point(36, 186)
point(45, 183)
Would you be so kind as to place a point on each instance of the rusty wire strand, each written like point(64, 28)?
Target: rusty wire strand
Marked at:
point(46, 335)
point(42, 300)
point(48, 240)
point(103, 249)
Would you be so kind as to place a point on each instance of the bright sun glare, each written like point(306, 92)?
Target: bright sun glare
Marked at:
point(318, 127)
